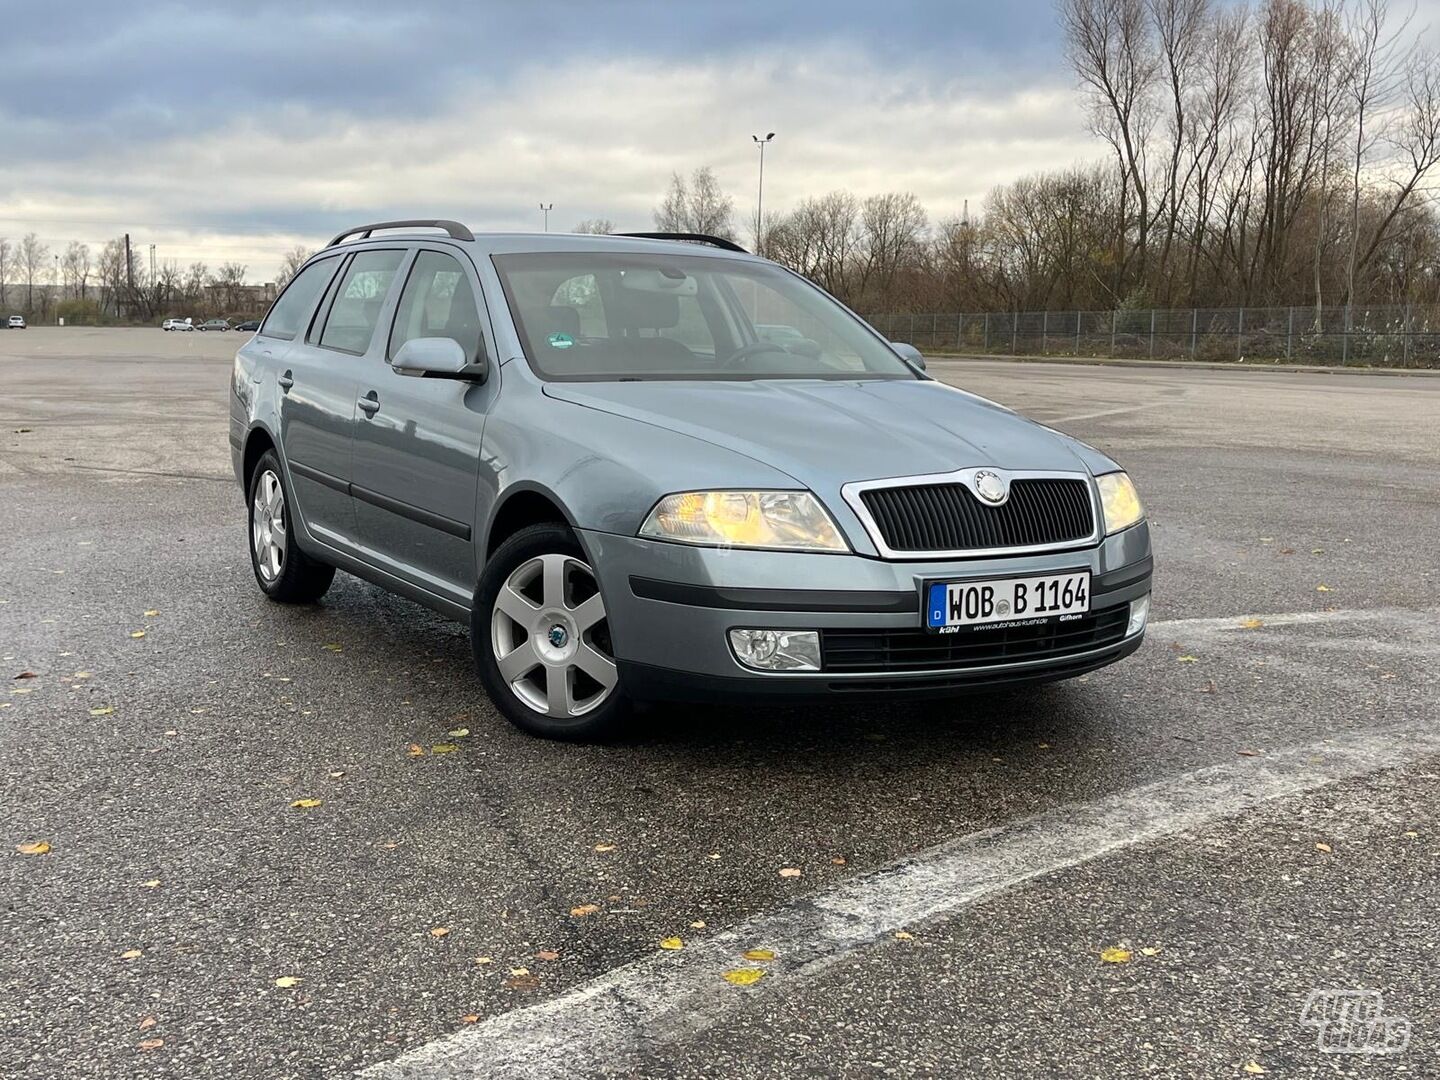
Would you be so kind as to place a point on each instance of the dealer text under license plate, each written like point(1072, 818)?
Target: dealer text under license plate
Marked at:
point(951, 606)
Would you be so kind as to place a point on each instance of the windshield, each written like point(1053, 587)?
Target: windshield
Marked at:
point(601, 315)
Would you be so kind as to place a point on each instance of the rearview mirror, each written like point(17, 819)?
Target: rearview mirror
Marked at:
point(909, 354)
point(436, 358)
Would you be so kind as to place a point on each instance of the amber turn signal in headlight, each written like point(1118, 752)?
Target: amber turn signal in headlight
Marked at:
point(1119, 500)
point(784, 520)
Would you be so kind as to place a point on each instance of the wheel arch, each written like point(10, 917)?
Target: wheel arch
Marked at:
point(521, 505)
point(257, 440)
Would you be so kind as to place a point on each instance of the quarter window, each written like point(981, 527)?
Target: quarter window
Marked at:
point(292, 310)
point(438, 301)
point(356, 308)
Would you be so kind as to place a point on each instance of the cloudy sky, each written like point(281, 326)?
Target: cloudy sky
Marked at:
point(235, 131)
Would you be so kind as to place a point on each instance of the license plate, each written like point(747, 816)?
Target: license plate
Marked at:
point(951, 606)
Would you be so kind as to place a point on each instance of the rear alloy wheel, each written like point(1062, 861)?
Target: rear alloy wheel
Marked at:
point(283, 571)
point(541, 638)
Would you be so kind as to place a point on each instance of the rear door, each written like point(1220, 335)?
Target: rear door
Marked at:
point(319, 409)
point(417, 445)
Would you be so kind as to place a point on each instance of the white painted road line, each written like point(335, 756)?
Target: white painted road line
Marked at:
point(602, 1026)
point(1117, 411)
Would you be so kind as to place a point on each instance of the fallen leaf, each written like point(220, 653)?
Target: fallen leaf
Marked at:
point(103, 710)
point(1317, 551)
point(469, 1018)
point(789, 871)
point(444, 748)
point(151, 1044)
point(1251, 623)
point(1148, 951)
point(1411, 833)
point(1254, 1068)
point(153, 883)
point(287, 981)
point(1115, 955)
point(484, 960)
point(415, 750)
point(147, 1022)
point(902, 935)
point(672, 943)
point(584, 909)
point(137, 633)
point(522, 982)
point(743, 976)
point(838, 860)
point(458, 733)
point(547, 954)
point(1322, 588)
point(604, 847)
point(1323, 847)
point(1186, 659)
point(151, 613)
point(36, 847)
point(26, 675)
point(1248, 753)
point(761, 955)
point(333, 647)
point(306, 804)
point(337, 774)
point(131, 954)
point(699, 924)
point(439, 931)
point(1287, 551)
point(22, 690)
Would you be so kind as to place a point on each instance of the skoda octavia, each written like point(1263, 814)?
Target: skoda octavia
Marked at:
point(600, 453)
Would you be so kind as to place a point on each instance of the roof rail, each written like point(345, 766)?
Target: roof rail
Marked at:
point(692, 237)
point(454, 228)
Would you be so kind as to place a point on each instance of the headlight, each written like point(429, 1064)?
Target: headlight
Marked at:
point(789, 520)
point(1119, 501)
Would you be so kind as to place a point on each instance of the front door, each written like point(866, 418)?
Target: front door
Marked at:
point(417, 445)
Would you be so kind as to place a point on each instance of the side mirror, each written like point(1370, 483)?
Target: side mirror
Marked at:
point(909, 354)
point(435, 358)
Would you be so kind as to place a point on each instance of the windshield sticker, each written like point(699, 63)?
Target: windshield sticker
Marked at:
point(561, 341)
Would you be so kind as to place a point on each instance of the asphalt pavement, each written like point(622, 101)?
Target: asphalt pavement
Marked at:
point(453, 901)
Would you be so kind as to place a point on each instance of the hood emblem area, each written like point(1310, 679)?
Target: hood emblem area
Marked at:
point(990, 486)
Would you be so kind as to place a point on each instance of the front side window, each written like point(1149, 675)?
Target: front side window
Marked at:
point(599, 315)
point(292, 310)
point(438, 301)
point(356, 308)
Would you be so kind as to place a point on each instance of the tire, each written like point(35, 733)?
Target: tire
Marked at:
point(283, 572)
point(542, 642)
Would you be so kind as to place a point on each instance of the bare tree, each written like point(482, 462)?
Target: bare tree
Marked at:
point(698, 207)
point(290, 265)
point(75, 268)
point(6, 263)
point(226, 282)
point(596, 226)
point(33, 257)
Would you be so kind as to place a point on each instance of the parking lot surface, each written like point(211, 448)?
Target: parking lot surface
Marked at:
point(1145, 871)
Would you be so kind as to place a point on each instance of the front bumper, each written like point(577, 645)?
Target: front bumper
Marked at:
point(671, 607)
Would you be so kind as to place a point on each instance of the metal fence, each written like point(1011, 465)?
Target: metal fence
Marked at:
point(1375, 336)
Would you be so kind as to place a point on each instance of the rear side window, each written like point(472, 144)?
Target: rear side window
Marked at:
point(292, 310)
point(438, 301)
point(356, 308)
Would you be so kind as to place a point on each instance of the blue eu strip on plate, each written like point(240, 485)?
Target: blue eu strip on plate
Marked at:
point(936, 607)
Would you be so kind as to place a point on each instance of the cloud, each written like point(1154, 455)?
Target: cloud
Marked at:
point(596, 135)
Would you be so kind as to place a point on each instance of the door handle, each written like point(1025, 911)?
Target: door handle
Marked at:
point(286, 382)
point(369, 404)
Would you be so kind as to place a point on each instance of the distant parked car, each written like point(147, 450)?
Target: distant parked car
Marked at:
point(177, 324)
point(16, 322)
point(250, 325)
point(213, 324)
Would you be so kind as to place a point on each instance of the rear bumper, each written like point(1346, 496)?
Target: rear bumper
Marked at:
point(671, 608)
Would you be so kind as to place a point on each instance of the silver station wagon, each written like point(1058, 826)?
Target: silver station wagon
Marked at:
point(655, 467)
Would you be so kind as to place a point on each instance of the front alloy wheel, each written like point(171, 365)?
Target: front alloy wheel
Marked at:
point(541, 638)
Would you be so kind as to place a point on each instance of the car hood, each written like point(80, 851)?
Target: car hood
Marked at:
point(825, 434)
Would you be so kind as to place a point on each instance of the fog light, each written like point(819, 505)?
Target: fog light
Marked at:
point(777, 650)
point(1139, 613)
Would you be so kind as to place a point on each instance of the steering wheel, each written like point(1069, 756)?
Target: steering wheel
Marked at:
point(739, 357)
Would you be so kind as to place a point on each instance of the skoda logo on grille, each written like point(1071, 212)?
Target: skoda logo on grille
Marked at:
point(991, 487)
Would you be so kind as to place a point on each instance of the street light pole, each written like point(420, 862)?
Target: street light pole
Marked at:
point(547, 208)
point(760, 195)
